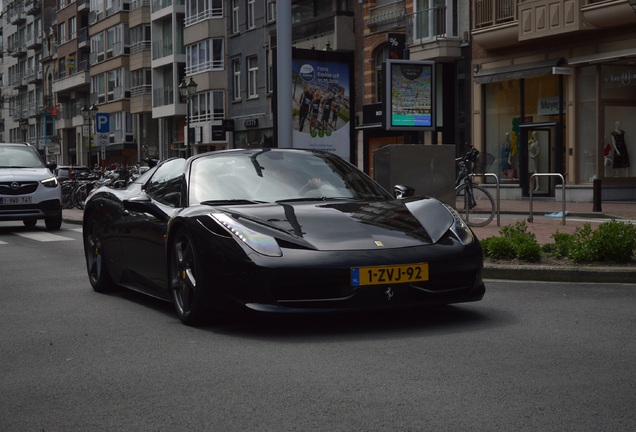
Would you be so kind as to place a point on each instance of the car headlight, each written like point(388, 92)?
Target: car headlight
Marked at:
point(460, 228)
point(50, 182)
point(261, 243)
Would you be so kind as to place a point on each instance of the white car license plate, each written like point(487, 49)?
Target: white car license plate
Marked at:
point(15, 200)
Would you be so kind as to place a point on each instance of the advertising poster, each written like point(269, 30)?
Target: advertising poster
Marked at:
point(321, 103)
point(410, 95)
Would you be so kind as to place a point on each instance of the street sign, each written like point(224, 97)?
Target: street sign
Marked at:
point(102, 121)
point(102, 139)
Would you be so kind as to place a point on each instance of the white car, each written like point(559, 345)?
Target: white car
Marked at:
point(28, 189)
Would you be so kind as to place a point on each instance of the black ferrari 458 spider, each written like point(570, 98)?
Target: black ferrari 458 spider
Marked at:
point(276, 230)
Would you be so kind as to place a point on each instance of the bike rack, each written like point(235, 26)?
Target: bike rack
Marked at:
point(530, 217)
point(497, 200)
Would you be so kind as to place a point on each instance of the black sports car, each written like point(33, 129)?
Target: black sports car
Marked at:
point(276, 230)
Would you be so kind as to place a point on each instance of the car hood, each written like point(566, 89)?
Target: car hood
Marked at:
point(24, 174)
point(344, 225)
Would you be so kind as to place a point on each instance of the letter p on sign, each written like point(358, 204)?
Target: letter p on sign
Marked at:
point(102, 122)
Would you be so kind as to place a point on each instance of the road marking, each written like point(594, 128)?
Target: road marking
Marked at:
point(43, 236)
point(79, 230)
point(3, 242)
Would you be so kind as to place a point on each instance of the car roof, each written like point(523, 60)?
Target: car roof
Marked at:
point(15, 144)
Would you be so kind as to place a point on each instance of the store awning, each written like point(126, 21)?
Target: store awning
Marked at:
point(513, 72)
point(605, 57)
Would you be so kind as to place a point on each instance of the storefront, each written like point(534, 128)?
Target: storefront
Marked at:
point(524, 119)
point(569, 118)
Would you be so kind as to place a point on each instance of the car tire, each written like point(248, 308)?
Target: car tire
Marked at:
point(53, 223)
point(98, 274)
point(30, 223)
point(185, 279)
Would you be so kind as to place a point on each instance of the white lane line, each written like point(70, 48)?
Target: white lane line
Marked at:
point(43, 236)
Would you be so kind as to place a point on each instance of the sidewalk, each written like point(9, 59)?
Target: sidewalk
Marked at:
point(543, 227)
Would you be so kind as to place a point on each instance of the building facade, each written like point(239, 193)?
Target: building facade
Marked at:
point(554, 92)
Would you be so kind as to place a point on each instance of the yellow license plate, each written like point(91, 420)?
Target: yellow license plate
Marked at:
point(380, 275)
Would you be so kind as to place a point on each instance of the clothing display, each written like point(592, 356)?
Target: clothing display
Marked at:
point(621, 155)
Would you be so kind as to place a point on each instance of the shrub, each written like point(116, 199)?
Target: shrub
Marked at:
point(562, 245)
point(515, 242)
point(498, 248)
point(614, 241)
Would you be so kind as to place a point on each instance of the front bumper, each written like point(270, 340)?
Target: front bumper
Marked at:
point(41, 210)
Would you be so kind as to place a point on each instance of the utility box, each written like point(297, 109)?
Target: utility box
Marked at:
point(429, 169)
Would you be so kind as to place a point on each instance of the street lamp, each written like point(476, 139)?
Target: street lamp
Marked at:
point(24, 126)
point(88, 114)
point(187, 91)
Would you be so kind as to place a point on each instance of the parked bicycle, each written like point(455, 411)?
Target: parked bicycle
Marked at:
point(472, 201)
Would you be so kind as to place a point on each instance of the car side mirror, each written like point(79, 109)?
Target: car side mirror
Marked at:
point(143, 204)
point(51, 166)
point(402, 191)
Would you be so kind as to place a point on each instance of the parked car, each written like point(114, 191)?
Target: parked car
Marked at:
point(276, 230)
point(73, 172)
point(28, 189)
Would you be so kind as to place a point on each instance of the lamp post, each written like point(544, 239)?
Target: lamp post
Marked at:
point(24, 127)
point(88, 114)
point(187, 91)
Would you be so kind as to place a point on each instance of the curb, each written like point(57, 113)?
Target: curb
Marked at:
point(593, 274)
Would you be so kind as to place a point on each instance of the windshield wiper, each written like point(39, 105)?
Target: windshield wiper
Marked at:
point(230, 201)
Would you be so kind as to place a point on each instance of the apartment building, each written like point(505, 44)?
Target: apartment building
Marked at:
point(558, 76)
point(26, 113)
point(66, 60)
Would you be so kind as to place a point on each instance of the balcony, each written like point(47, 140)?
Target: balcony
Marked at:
point(34, 74)
point(17, 48)
point(504, 23)
point(75, 78)
point(16, 14)
point(33, 40)
point(612, 13)
point(432, 34)
point(33, 7)
point(387, 17)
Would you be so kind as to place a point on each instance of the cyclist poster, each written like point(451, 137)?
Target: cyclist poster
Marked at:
point(321, 101)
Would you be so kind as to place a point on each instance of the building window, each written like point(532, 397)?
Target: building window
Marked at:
point(236, 82)
point(252, 77)
point(381, 57)
point(208, 106)
point(204, 56)
point(61, 33)
point(235, 16)
point(199, 10)
point(271, 10)
point(72, 28)
point(251, 18)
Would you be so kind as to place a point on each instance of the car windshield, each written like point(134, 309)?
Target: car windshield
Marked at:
point(19, 157)
point(272, 175)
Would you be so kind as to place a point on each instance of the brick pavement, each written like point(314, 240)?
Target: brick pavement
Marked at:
point(543, 227)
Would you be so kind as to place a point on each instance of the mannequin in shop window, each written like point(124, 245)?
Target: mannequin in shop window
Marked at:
point(506, 156)
point(620, 155)
point(533, 159)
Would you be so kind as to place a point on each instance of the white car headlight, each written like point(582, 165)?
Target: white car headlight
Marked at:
point(50, 182)
point(461, 230)
point(261, 243)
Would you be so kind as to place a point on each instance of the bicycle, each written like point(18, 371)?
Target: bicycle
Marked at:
point(472, 201)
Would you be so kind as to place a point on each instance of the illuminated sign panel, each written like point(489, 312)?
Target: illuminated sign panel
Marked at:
point(409, 98)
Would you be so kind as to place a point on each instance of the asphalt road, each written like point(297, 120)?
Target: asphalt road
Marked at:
point(529, 357)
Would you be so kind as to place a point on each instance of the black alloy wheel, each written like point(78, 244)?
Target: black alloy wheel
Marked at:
point(183, 273)
point(95, 262)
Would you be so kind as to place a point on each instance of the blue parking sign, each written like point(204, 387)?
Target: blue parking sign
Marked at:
point(102, 122)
